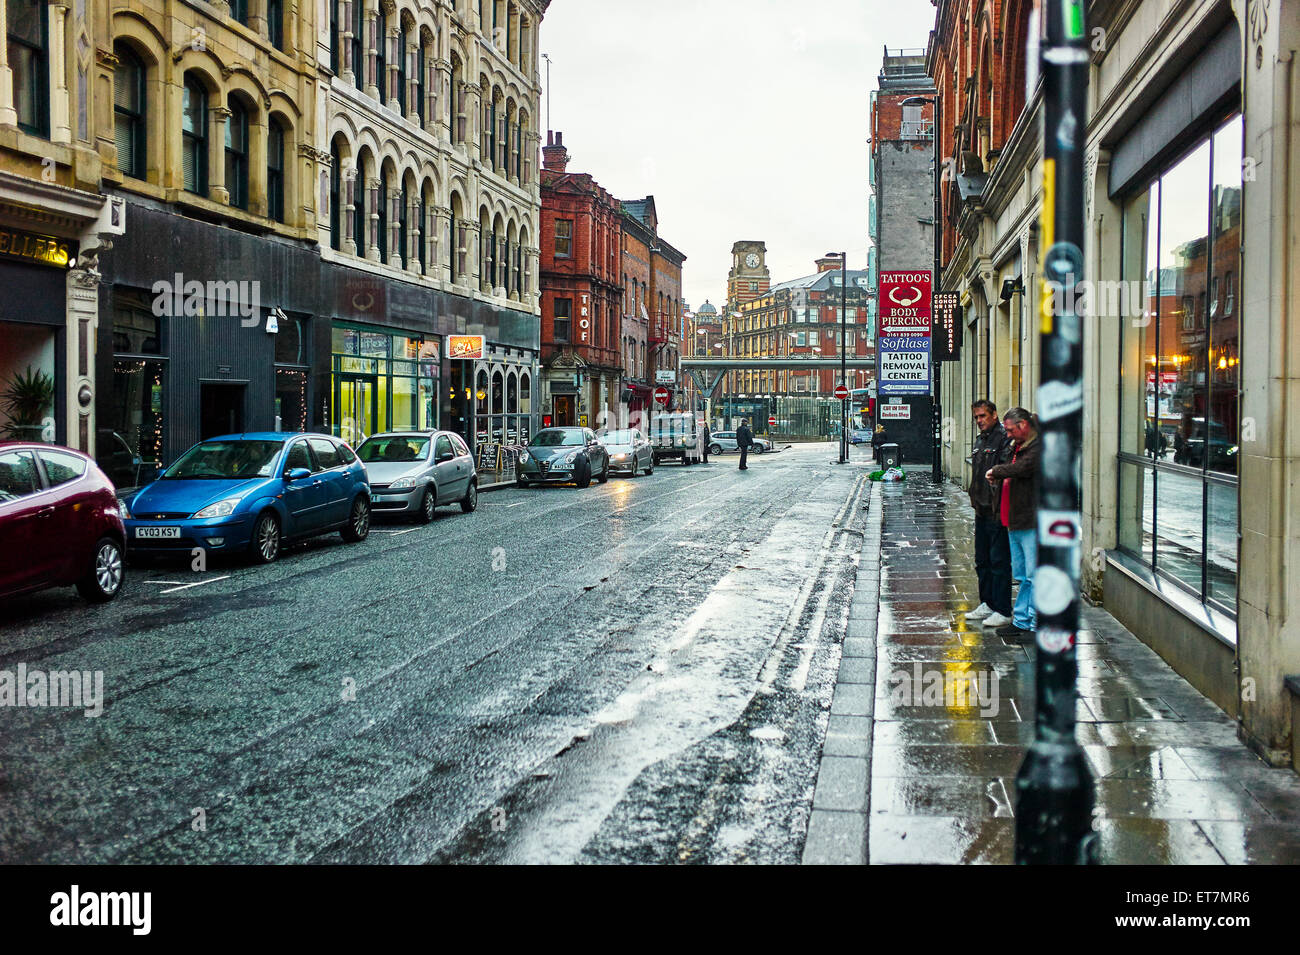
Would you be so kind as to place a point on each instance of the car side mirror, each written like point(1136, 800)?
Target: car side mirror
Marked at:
point(444, 456)
point(297, 474)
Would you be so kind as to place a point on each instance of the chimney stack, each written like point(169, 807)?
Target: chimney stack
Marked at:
point(554, 156)
point(826, 264)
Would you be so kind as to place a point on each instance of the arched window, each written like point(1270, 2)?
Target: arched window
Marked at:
point(336, 197)
point(336, 60)
point(275, 170)
point(421, 68)
point(360, 233)
point(237, 154)
point(453, 249)
point(129, 112)
point(194, 136)
point(404, 204)
point(28, 43)
point(383, 215)
point(525, 395)
point(426, 230)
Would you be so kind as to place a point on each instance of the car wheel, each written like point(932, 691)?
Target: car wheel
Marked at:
point(633, 466)
point(715, 449)
point(104, 579)
point(358, 526)
point(585, 480)
point(265, 543)
point(650, 468)
point(604, 475)
point(428, 504)
point(470, 501)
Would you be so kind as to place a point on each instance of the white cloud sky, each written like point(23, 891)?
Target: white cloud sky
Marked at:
point(745, 119)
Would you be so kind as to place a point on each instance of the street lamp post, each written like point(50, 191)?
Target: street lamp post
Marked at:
point(1054, 796)
point(844, 372)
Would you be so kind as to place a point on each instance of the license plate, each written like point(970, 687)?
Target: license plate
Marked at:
point(163, 532)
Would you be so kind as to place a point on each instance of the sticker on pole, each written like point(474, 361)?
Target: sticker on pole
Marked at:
point(1056, 399)
point(1052, 640)
point(1053, 590)
point(1058, 528)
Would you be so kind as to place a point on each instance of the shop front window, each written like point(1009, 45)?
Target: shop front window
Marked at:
point(383, 382)
point(1179, 362)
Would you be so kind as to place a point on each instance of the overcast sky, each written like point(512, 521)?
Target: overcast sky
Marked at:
point(745, 119)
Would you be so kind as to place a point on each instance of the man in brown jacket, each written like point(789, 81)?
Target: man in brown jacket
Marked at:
point(1019, 513)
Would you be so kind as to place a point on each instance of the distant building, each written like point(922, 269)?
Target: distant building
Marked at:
point(652, 312)
point(582, 297)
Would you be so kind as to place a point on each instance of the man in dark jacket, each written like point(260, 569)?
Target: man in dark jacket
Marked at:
point(992, 550)
point(705, 438)
point(1019, 512)
point(744, 438)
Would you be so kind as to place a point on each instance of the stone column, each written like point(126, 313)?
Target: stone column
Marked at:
point(372, 80)
point(349, 196)
point(60, 126)
point(79, 356)
point(347, 41)
point(218, 116)
point(1268, 598)
point(436, 228)
point(372, 221)
point(8, 115)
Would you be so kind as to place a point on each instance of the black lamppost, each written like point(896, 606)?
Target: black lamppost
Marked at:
point(844, 374)
point(1054, 795)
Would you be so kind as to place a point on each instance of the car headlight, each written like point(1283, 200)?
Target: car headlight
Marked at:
point(402, 484)
point(523, 457)
point(220, 509)
point(571, 457)
point(123, 510)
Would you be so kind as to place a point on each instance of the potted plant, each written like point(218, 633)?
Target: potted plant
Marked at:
point(27, 399)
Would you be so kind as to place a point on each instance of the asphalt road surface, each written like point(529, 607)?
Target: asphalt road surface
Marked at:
point(634, 672)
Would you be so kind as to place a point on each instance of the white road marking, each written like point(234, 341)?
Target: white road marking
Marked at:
point(395, 533)
point(169, 582)
point(200, 583)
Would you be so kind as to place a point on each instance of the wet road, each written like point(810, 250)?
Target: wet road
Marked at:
point(639, 671)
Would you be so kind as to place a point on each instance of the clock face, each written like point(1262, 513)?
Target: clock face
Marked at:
point(752, 260)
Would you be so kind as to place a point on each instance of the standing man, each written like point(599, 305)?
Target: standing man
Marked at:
point(704, 448)
point(744, 438)
point(1019, 512)
point(992, 550)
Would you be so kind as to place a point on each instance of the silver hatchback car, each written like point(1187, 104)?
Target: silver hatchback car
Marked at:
point(412, 472)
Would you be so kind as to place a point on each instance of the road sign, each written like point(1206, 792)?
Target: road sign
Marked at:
point(841, 392)
point(771, 422)
point(661, 395)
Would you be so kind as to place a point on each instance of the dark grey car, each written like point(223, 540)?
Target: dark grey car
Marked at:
point(563, 456)
point(412, 472)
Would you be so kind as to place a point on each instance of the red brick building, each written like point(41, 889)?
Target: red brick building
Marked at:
point(580, 265)
point(653, 323)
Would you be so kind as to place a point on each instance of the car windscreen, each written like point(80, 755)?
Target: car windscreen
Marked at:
point(557, 438)
point(225, 460)
point(617, 437)
point(381, 450)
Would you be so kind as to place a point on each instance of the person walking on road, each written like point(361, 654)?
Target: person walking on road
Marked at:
point(992, 549)
point(744, 438)
point(1019, 513)
point(704, 442)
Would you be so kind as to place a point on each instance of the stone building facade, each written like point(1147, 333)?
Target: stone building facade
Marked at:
point(1190, 373)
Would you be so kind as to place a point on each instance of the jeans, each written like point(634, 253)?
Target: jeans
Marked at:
point(1024, 560)
point(993, 564)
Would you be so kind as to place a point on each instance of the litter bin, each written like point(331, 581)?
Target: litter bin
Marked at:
point(890, 456)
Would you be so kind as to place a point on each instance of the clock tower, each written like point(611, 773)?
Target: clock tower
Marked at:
point(749, 277)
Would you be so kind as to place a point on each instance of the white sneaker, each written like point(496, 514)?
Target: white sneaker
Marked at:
point(996, 620)
point(979, 613)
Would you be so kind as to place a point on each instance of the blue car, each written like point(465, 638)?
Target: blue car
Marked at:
point(250, 493)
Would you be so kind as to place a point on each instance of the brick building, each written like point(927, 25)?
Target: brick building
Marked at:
point(581, 256)
point(652, 311)
point(901, 209)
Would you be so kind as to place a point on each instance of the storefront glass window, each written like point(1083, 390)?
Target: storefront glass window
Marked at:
point(383, 382)
point(1179, 359)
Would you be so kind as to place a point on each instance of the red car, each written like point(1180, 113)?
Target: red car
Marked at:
point(60, 522)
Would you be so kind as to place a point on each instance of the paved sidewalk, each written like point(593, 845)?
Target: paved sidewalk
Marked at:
point(1172, 783)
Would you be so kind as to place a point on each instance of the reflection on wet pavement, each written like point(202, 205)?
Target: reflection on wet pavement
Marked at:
point(954, 712)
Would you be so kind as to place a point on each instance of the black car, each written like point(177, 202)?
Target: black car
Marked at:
point(562, 456)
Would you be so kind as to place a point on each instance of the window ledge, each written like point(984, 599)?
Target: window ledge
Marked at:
point(1214, 622)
